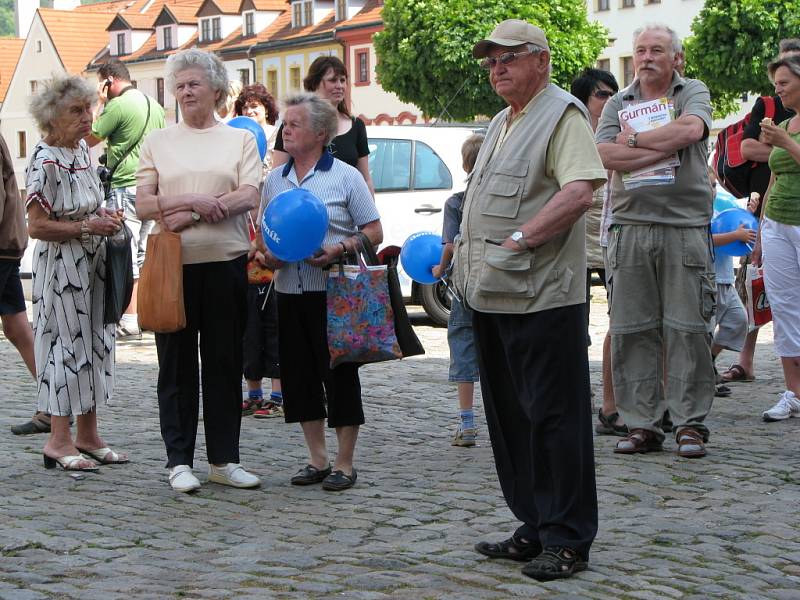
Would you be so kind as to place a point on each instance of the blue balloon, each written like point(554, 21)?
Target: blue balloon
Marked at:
point(419, 254)
point(250, 125)
point(724, 200)
point(294, 225)
point(730, 220)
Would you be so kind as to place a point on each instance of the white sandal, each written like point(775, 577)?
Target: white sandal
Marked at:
point(68, 463)
point(105, 456)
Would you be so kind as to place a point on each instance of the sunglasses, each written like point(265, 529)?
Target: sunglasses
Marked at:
point(504, 59)
point(602, 94)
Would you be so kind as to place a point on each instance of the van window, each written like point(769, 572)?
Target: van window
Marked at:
point(430, 172)
point(390, 164)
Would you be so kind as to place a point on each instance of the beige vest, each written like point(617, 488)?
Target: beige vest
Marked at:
point(508, 188)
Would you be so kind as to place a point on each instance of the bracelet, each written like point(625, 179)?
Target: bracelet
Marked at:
point(85, 235)
point(344, 248)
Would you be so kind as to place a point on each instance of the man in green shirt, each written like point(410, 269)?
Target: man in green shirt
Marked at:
point(123, 118)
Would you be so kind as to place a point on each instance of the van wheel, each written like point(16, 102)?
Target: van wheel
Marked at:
point(436, 302)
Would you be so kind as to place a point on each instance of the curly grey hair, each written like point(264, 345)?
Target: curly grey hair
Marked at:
point(321, 114)
point(58, 94)
point(193, 58)
point(677, 47)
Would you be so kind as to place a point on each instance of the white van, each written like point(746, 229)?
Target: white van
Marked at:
point(415, 169)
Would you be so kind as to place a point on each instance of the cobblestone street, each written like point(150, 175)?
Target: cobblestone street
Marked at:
point(721, 527)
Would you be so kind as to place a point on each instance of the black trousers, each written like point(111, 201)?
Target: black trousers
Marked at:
point(307, 381)
point(535, 383)
point(214, 295)
point(261, 334)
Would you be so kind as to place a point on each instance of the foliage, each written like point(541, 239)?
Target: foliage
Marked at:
point(7, 22)
point(732, 43)
point(425, 50)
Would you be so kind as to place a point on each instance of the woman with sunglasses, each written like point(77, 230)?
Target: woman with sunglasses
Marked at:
point(594, 87)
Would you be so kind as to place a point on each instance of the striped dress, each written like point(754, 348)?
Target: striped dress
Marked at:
point(74, 350)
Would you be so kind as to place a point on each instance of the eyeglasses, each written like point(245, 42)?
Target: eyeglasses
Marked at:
point(504, 59)
point(602, 94)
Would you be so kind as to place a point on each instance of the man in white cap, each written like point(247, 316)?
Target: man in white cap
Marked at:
point(520, 265)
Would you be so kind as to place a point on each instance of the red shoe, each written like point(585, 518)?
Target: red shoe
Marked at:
point(268, 411)
point(250, 405)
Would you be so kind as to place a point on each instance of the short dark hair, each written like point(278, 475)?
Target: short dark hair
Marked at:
point(260, 94)
point(317, 71)
point(588, 81)
point(114, 68)
point(789, 45)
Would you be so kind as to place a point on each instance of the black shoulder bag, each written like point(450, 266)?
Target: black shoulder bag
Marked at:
point(119, 253)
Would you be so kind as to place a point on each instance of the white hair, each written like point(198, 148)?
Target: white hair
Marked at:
point(322, 116)
point(677, 47)
point(208, 62)
point(58, 94)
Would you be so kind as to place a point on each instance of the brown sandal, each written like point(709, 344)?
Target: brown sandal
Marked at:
point(638, 441)
point(735, 374)
point(690, 443)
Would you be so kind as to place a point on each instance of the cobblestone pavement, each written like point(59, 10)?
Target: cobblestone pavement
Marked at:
point(721, 527)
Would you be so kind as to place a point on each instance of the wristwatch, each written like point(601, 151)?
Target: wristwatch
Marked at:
point(519, 239)
point(632, 140)
point(196, 217)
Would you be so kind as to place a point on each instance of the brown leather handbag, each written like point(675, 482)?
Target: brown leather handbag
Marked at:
point(160, 294)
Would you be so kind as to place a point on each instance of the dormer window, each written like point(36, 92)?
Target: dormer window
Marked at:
point(121, 44)
point(164, 41)
point(341, 10)
point(210, 29)
point(303, 13)
point(249, 24)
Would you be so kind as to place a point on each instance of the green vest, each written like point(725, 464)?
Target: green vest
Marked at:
point(508, 188)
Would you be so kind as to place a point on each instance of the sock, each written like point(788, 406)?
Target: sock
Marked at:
point(131, 321)
point(467, 419)
point(255, 394)
point(276, 398)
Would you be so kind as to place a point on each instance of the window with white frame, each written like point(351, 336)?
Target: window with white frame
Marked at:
point(294, 78)
point(362, 66)
point(160, 97)
point(244, 76)
point(249, 24)
point(341, 10)
point(308, 12)
point(121, 44)
point(166, 38)
point(272, 82)
point(205, 30)
point(216, 28)
point(297, 14)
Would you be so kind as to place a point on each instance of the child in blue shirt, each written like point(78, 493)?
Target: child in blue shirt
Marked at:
point(463, 358)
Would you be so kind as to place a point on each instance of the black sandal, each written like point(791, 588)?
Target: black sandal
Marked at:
point(310, 474)
point(555, 563)
point(339, 480)
point(512, 549)
point(608, 424)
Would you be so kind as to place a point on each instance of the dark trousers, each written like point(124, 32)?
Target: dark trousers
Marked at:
point(535, 383)
point(261, 334)
point(214, 295)
point(307, 381)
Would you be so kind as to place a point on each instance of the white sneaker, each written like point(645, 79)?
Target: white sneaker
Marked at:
point(788, 406)
point(182, 480)
point(232, 474)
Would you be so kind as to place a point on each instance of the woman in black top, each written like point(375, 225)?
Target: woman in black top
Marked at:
point(327, 77)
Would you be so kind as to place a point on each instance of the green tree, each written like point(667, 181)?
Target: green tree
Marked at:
point(732, 43)
point(7, 23)
point(425, 49)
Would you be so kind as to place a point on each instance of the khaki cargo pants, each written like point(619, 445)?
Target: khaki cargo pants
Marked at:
point(662, 315)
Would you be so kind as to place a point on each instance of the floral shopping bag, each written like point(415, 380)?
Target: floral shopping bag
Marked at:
point(360, 317)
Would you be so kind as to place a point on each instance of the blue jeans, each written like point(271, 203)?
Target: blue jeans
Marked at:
point(463, 360)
